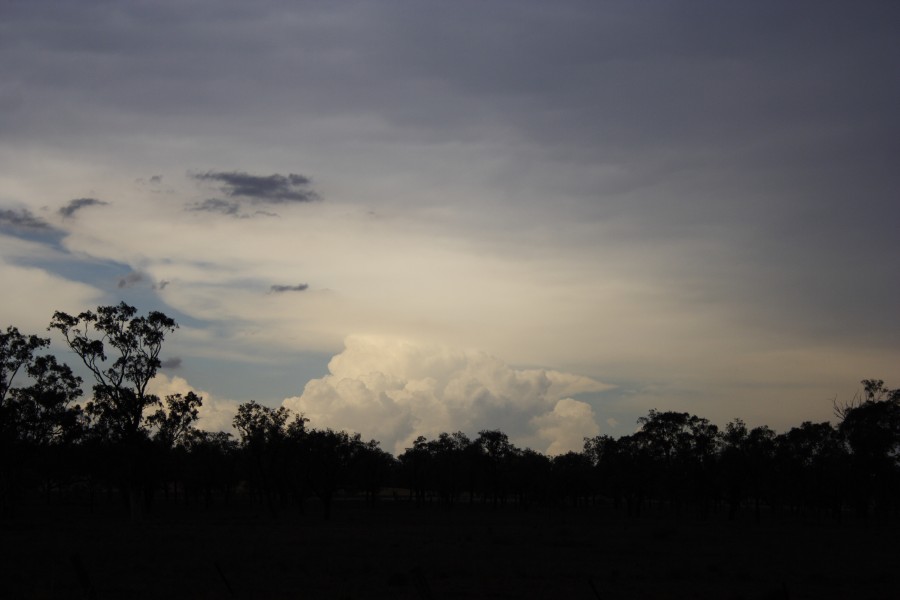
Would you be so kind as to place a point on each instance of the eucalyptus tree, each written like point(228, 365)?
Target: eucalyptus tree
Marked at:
point(36, 418)
point(121, 350)
point(870, 424)
point(17, 351)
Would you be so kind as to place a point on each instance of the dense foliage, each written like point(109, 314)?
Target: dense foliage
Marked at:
point(127, 443)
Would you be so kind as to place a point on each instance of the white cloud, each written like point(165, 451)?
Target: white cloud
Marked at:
point(393, 390)
point(31, 295)
point(566, 426)
point(216, 414)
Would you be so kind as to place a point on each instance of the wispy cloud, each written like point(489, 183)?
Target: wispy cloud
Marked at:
point(274, 189)
point(277, 289)
point(77, 204)
point(22, 218)
point(218, 205)
point(171, 363)
point(131, 279)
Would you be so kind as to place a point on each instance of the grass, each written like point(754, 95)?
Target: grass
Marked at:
point(397, 551)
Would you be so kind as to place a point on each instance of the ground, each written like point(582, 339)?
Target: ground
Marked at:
point(395, 550)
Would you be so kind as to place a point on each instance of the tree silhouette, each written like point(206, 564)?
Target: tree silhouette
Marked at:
point(121, 350)
point(36, 420)
point(120, 391)
point(871, 426)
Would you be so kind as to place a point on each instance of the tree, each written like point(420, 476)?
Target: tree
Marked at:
point(134, 343)
point(44, 411)
point(16, 351)
point(266, 436)
point(871, 427)
point(35, 419)
point(175, 425)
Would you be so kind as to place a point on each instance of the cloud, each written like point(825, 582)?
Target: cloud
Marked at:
point(566, 426)
point(215, 414)
point(131, 279)
point(22, 218)
point(217, 205)
point(171, 363)
point(33, 294)
point(273, 189)
point(395, 390)
point(277, 289)
point(75, 205)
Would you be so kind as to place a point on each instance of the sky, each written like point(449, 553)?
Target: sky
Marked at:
point(402, 218)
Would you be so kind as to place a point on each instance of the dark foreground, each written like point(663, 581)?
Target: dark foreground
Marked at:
point(398, 551)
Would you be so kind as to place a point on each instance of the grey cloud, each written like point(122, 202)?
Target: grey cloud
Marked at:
point(217, 205)
point(77, 204)
point(277, 289)
point(275, 189)
point(770, 127)
point(171, 363)
point(156, 179)
point(162, 284)
point(22, 219)
point(131, 279)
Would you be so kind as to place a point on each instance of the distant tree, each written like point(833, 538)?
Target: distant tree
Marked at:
point(604, 453)
point(172, 430)
point(17, 351)
point(36, 418)
point(496, 453)
point(270, 444)
point(211, 465)
point(812, 463)
point(416, 463)
point(572, 477)
point(332, 458)
point(683, 449)
point(175, 424)
point(45, 410)
point(871, 426)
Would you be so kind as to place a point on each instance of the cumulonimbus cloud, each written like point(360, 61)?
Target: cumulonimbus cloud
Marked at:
point(215, 414)
point(395, 390)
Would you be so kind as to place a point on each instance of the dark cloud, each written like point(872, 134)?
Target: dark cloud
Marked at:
point(162, 284)
point(131, 279)
point(77, 204)
point(171, 363)
point(277, 289)
point(217, 205)
point(22, 219)
point(274, 189)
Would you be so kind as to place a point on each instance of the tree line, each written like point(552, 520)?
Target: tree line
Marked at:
point(127, 445)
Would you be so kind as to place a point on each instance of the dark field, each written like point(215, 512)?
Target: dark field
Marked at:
point(398, 551)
